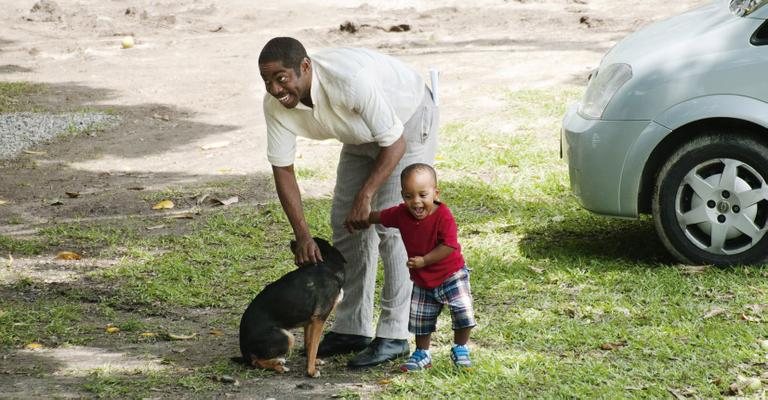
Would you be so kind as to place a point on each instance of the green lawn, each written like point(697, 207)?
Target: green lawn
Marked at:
point(569, 305)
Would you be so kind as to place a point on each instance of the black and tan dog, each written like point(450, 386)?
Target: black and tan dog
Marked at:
point(303, 297)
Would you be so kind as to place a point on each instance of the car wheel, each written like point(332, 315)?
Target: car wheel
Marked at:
point(710, 203)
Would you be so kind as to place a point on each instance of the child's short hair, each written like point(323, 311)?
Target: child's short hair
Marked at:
point(418, 167)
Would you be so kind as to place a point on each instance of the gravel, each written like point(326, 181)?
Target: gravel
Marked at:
point(19, 131)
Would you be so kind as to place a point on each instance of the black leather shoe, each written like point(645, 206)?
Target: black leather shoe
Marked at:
point(341, 343)
point(379, 351)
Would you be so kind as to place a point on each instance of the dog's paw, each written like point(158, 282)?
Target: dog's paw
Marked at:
point(319, 362)
point(313, 374)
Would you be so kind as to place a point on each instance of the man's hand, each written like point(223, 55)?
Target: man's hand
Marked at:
point(358, 215)
point(307, 252)
point(416, 262)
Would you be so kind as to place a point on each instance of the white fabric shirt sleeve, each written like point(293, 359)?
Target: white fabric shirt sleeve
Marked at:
point(281, 142)
point(371, 103)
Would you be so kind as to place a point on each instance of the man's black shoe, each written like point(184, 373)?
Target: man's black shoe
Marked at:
point(379, 351)
point(341, 343)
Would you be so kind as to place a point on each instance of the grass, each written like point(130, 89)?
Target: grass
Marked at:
point(569, 304)
point(14, 96)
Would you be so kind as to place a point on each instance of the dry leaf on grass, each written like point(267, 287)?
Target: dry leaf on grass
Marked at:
point(111, 329)
point(165, 204)
point(173, 336)
point(148, 334)
point(715, 311)
point(68, 255)
point(226, 202)
point(216, 332)
point(34, 346)
point(35, 153)
point(750, 318)
point(614, 345)
point(693, 269)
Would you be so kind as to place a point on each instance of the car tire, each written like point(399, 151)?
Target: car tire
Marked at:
point(710, 201)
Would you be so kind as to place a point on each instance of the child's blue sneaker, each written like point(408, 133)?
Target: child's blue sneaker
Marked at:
point(418, 361)
point(460, 356)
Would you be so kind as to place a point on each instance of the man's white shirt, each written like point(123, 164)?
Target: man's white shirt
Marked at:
point(358, 95)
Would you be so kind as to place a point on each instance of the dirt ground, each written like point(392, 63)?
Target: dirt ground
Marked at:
point(189, 96)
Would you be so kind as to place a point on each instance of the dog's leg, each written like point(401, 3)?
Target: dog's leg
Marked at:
point(313, 330)
point(277, 364)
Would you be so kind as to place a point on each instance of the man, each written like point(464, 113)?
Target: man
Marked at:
point(383, 113)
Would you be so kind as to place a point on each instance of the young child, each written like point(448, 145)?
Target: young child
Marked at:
point(436, 265)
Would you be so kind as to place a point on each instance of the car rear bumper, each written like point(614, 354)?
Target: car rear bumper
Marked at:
point(597, 153)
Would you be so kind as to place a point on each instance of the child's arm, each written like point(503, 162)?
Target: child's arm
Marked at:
point(436, 255)
point(373, 217)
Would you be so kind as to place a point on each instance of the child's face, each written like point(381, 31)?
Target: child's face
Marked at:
point(419, 193)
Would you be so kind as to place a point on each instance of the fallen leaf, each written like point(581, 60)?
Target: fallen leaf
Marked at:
point(161, 116)
point(67, 255)
point(693, 269)
point(165, 204)
point(384, 381)
point(227, 379)
point(3, 202)
point(151, 228)
point(715, 311)
point(684, 393)
point(745, 385)
point(216, 332)
point(750, 318)
point(182, 216)
point(148, 334)
point(35, 153)
point(214, 145)
point(614, 345)
point(34, 346)
point(173, 336)
point(756, 308)
point(111, 329)
point(226, 202)
point(536, 269)
point(72, 195)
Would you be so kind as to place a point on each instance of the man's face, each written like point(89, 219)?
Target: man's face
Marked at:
point(419, 193)
point(284, 84)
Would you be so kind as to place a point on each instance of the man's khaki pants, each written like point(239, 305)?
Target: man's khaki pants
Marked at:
point(354, 315)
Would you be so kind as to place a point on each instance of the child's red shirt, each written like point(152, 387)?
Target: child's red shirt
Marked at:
point(422, 236)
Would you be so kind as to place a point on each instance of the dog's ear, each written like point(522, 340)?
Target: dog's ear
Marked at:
point(329, 252)
point(293, 246)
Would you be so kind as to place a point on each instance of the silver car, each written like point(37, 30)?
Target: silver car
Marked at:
point(674, 123)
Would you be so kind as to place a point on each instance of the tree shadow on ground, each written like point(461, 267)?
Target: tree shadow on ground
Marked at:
point(43, 185)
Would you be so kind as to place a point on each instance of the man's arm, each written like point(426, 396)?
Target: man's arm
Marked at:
point(385, 163)
point(290, 198)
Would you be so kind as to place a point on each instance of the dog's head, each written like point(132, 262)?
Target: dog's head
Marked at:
point(330, 254)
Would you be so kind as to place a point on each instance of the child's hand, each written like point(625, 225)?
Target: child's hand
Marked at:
point(415, 262)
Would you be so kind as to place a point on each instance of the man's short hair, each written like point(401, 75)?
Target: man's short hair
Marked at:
point(287, 50)
point(418, 167)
